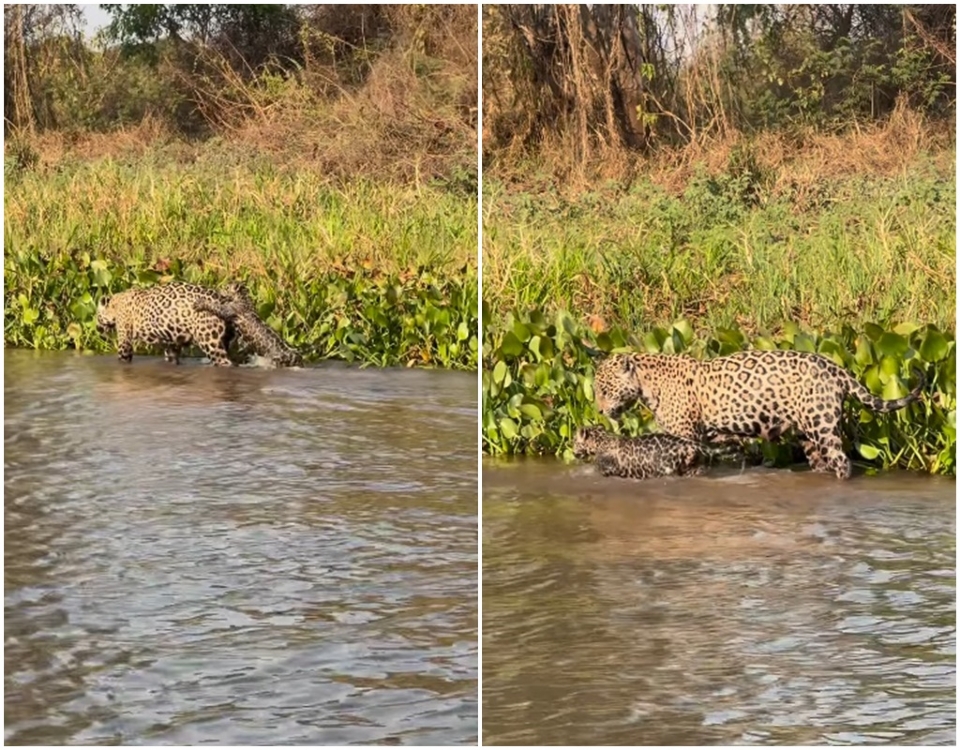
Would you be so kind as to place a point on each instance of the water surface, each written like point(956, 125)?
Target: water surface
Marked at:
point(759, 608)
point(239, 556)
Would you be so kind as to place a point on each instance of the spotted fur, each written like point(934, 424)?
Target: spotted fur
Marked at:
point(655, 455)
point(743, 395)
point(239, 310)
point(165, 316)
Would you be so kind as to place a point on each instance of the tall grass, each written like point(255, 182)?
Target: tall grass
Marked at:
point(728, 250)
point(246, 215)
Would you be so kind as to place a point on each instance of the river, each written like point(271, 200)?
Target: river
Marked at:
point(238, 556)
point(764, 607)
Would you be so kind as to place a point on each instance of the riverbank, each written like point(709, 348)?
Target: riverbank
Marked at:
point(538, 384)
point(375, 272)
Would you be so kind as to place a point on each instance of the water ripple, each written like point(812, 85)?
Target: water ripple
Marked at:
point(195, 555)
point(772, 607)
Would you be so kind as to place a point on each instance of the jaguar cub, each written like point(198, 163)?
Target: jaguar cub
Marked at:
point(655, 455)
point(238, 310)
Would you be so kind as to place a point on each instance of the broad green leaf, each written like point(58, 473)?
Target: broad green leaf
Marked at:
point(934, 347)
point(868, 451)
point(685, 330)
point(873, 331)
point(892, 344)
point(511, 345)
point(499, 372)
point(532, 411)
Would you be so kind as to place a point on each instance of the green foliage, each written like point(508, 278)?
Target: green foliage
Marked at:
point(383, 274)
point(414, 318)
point(538, 383)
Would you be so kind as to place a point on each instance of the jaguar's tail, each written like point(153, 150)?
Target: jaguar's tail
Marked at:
point(882, 406)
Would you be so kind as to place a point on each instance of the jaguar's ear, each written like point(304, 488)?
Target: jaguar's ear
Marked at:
point(628, 364)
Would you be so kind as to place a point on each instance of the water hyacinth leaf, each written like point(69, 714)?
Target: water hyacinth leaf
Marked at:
point(804, 343)
point(873, 331)
point(604, 342)
point(511, 345)
point(499, 372)
point(586, 385)
point(868, 451)
point(508, 428)
point(934, 347)
point(731, 336)
point(521, 332)
point(547, 350)
point(892, 344)
point(905, 329)
point(871, 378)
point(764, 344)
point(84, 308)
point(832, 349)
point(685, 330)
point(864, 355)
point(894, 389)
point(889, 366)
point(532, 411)
point(651, 343)
point(29, 316)
point(101, 274)
point(463, 332)
point(678, 343)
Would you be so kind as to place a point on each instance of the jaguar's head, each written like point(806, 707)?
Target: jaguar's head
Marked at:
point(106, 315)
point(586, 441)
point(616, 385)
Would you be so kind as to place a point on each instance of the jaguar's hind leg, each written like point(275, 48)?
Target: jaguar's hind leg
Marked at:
point(172, 354)
point(832, 456)
point(811, 450)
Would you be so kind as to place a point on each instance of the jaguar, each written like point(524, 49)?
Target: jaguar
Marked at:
point(743, 395)
point(646, 456)
point(239, 311)
point(164, 315)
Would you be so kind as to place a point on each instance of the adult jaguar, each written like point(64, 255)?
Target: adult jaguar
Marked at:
point(164, 315)
point(742, 395)
point(238, 310)
point(654, 455)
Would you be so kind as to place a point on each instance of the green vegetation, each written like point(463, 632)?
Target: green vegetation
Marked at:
point(538, 383)
point(324, 155)
point(711, 178)
point(583, 89)
point(739, 245)
point(376, 273)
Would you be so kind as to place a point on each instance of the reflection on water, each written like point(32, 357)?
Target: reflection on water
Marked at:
point(196, 554)
point(767, 607)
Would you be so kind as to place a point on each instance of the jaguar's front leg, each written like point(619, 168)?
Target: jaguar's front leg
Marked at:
point(124, 345)
point(172, 354)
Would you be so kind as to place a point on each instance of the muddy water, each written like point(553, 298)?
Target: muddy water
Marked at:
point(767, 607)
point(202, 555)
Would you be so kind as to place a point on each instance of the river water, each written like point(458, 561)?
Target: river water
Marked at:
point(756, 608)
point(238, 556)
